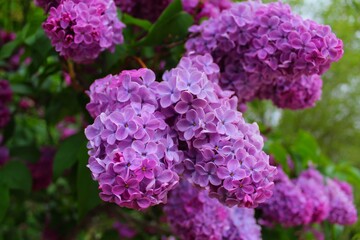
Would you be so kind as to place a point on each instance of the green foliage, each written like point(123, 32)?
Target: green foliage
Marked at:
point(15, 175)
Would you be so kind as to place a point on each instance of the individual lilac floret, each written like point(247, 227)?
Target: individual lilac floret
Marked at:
point(223, 153)
point(259, 45)
point(81, 30)
point(41, 171)
point(342, 208)
point(5, 91)
point(132, 148)
point(299, 93)
point(312, 184)
point(288, 206)
point(192, 214)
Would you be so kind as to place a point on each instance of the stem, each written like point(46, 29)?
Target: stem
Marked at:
point(140, 62)
point(72, 74)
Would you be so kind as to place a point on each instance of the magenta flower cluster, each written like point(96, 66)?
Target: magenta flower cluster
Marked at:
point(224, 153)
point(151, 10)
point(141, 126)
point(192, 214)
point(310, 198)
point(81, 30)
point(133, 150)
point(266, 51)
point(5, 98)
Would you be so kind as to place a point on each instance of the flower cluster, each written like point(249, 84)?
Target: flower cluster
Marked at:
point(342, 209)
point(41, 171)
point(310, 198)
point(223, 153)
point(5, 97)
point(192, 214)
point(220, 152)
point(151, 10)
point(266, 51)
point(133, 150)
point(287, 206)
point(81, 30)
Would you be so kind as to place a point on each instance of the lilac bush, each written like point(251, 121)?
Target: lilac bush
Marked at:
point(81, 30)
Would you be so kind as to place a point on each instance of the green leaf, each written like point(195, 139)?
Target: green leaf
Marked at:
point(130, 20)
point(306, 147)
point(87, 188)
point(15, 175)
point(172, 24)
point(4, 201)
point(66, 155)
point(27, 152)
point(8, 48)
point(279, 152)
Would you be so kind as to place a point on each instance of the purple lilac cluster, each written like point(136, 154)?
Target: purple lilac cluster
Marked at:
point(342, 208)
point(132, 148)
point(41, 171)
point(310, 198)
point(288, 205)
point(81, 30)
point(5, 98)
point(266, 51)
point(220, 152)
point(312, 185)
point(192, 214)
point(151, 10)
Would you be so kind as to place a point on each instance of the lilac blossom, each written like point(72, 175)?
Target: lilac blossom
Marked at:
point(266, 51)
point(81, 30)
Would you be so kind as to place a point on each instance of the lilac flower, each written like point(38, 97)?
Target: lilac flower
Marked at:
point(169, 93)
point(260, 46)
point(187, 102)
point(125, 124)
point(128, 88)
point(226, 119)
point(189, 125)
point(288, 205)
point(81, 31)
point(189, 81)
point(206, 174)
point(126, 187)
point(232, 172)
point(342, 208)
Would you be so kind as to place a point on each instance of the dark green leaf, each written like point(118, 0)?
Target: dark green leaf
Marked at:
point(279, 152)
point(87, 188)
point(66, 155)
point(7, 49)
point(15, 175)
point(172, 24)
point(28, 152)
point(4, 201)
point(130, 20)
